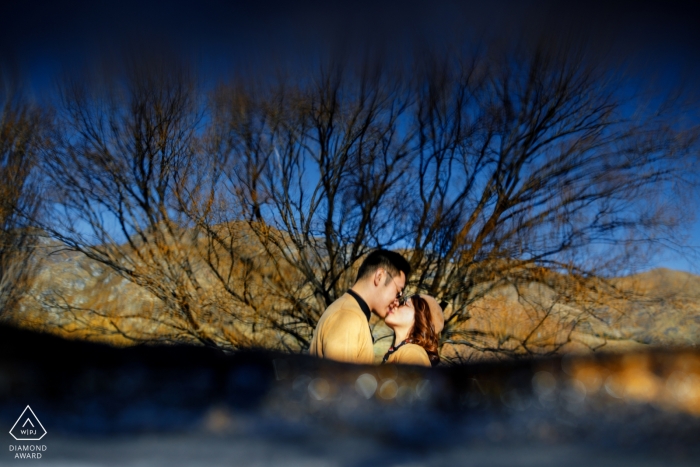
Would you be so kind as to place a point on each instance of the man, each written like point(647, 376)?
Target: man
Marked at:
point(343, 331)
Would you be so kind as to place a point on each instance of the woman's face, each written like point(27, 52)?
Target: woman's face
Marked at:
point(402, 316)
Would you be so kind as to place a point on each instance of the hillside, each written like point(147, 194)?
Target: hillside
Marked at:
point(79, 298)
point(667, 309)
point(662, 283)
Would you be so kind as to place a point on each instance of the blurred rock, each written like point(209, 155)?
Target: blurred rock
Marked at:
point(175, 405)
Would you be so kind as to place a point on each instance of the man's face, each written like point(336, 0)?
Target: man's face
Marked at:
point(389, 289)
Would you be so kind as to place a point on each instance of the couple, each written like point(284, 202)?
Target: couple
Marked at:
point(343, 331)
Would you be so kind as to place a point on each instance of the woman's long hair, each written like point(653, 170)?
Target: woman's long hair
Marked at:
point(423, 331)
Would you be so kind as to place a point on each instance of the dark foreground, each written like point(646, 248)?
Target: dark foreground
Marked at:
point(192, 406)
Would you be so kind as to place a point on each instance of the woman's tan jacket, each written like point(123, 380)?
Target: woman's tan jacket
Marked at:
point(410, 354)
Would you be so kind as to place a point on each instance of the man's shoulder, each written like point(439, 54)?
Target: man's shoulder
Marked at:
point(345, 305)
point(344, 313)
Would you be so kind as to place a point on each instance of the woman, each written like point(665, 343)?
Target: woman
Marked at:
point(416, 323)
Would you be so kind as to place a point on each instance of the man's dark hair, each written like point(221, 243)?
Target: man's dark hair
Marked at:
point(390, 261)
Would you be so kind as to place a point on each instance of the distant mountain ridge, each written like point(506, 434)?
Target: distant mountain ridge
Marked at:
point(665, 283)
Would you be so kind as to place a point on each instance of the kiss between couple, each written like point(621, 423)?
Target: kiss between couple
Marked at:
point(343, 331)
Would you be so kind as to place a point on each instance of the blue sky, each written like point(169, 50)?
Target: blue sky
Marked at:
point(42, 39)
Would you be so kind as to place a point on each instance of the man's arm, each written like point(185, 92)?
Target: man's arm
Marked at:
point(342, 338)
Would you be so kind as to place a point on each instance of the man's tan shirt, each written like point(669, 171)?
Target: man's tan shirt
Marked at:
point(343, 333)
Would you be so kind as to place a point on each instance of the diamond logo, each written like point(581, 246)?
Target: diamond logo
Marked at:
point(28, 427)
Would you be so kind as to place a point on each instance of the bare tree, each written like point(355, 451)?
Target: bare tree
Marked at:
point(21, 128)
point(530, 160)
point(485, 170)
point(314, 170)
point(527, 172)
point(126, 143)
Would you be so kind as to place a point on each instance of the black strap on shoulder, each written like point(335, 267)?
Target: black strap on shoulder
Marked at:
point(393, 349)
